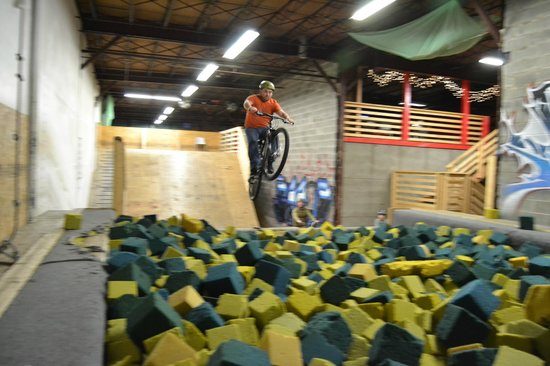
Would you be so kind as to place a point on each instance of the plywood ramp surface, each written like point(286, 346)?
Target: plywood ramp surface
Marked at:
point(205, 185)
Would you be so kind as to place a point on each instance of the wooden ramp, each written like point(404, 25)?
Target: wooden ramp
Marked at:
point(201, 184)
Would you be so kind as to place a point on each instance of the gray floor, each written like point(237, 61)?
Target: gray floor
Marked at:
point(59, 316)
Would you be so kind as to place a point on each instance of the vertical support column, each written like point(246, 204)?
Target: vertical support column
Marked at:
point(359, 91)
point(407, 97)
point(485, 125)
point(465, 109)
point(119, 184)
point(490, 183)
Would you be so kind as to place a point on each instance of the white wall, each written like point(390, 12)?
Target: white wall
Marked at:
point(63, 101)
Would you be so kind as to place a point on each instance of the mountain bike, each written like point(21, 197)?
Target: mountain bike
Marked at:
point(273, 148)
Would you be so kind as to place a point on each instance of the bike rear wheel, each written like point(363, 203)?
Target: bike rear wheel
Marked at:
point(279, 155)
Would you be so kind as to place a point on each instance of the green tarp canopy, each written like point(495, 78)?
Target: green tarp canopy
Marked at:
point(446, 31)
point(108, 114)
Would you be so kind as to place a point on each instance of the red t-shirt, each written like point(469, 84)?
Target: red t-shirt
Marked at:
point(252, 119)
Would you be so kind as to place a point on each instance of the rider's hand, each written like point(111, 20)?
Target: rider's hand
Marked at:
point(253, 109)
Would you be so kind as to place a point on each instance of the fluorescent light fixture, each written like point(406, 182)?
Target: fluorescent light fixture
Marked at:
point(168, 110)
point(162, 117)
point(189, 90)
point(158, 122)
point(155, 97)
point(413, 104)
point(247, 38)
point(207, 72)
point(369, 9)
point(493, 61)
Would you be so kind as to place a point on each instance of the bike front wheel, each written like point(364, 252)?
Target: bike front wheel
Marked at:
point(277, 153)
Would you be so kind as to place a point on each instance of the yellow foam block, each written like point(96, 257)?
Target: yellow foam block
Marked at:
point(228, 258)
point(414, 285)
point(218, 335)
point(465, 347)
point(232, 306)
point(279, 329)
point(491, 213)
point(374, 309)
point(431, 360)
point(126, 361)
point(357, 320)
point(282, 349)
point(171, 252)
point(381, 283)
point(267, 234)
point(266, 307)
point(516, 341)
point(507, 356)
point(537, 304)
point(523, 327)
point(363, 293)
point(115, 243)
point(289, 321)
point(460, 230)
point(123, 349)
point(439, 309)
point(374, 254)
point(363, 271)
point(185, 299)
point(428, 301)
point(541, 344)
point(150, 343)
point(320, 362)
point(519, 262)
point(284, 254)
point(499, 279)
point(197, 266)
point(116, 330)
point(399, 291)
point(373, 327)
point(247, 272)
point(169, 349)
point(305, 284)
point(336, 266)
point(358, 348)
point(248, 330)
point(509, 314)
point(116, 289)
point(432, 285)
point(443, 231)
point(304, 305)
point(400, 310)
point(257, 283)
point(448, 244)
point(179, 238)
point(361, 361)
point(292, 245)
point(431, 345)
point(191, 225)
point(272, 247)
point(465, 259)
point(414, 329)
point(73, 221)
point(173, 221)
point(193, 336)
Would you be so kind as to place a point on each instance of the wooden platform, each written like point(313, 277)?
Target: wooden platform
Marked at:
point(205, 185)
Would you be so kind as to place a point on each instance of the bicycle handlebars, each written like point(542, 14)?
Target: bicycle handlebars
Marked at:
point(272, 116)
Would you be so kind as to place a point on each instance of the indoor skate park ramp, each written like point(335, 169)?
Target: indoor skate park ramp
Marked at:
point(166, 178)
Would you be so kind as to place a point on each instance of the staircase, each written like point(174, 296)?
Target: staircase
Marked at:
point(101, 195)
point(468, 185)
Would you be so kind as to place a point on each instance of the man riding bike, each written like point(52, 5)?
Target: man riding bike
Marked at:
point(256, 126)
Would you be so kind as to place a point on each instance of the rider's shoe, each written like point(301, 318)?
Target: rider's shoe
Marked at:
point(270, 169)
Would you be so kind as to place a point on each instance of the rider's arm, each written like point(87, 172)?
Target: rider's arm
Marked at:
point(248, 106)
point(284, 115)
point(310, 215)
point(295, 215)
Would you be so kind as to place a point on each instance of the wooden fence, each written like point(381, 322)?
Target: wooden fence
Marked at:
point(384, 124)
point(436, 191)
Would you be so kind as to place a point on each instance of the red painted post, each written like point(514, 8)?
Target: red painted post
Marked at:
point(485, 125)
point(465, 110)
point(405, 122)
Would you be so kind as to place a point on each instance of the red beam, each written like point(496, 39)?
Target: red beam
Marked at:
point(465, 109)
point(432, 145)
point(407, 97)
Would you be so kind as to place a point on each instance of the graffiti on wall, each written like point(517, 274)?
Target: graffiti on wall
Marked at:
point(531, 148)
point(317, 195)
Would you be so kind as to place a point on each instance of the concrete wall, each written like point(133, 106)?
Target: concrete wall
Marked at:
point(526, 38)
point(313, 105)
point(366, 176)
point(60, 109)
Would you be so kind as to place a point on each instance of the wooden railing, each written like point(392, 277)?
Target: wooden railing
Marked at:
point(384, 124)
point(233, 140)
point(436, 191)
point(474, 161)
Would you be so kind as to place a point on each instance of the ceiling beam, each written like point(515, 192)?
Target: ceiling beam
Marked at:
point(131, 11)
point(491, 27)
point(206, 39)
point(203, 19)
point(93, 8)
point(101, 51)
point(167, 13)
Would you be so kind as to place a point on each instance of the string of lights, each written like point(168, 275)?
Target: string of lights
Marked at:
point(390, 76)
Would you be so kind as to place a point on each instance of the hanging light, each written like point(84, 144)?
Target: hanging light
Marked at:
point(244, 40)
point(371, 8)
